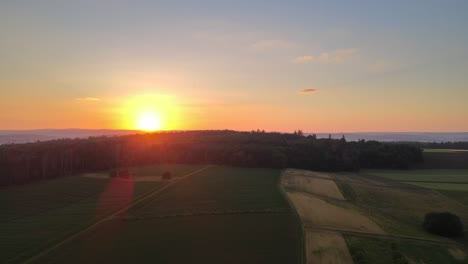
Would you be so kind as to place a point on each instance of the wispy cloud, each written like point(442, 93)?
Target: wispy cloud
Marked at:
point(88, 99)
point(338, 56)
point(304, 59)
point(271, 44)
point(307, 91)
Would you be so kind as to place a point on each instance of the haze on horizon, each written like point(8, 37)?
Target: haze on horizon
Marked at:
point(321, 66)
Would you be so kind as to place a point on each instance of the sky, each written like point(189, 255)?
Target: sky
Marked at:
point(319, 66)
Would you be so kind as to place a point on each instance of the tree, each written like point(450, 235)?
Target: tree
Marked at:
point(443, 224)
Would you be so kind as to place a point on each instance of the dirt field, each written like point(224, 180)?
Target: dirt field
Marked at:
point(313, 185)
point(326, 247)
point(296, 172)
point(319, 213)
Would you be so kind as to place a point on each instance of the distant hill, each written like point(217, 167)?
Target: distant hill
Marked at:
point(401, 136)
point(28, 136)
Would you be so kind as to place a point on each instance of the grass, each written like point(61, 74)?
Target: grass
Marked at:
point(395, 208)
point(443, 186)
point(445, 150)
point(260, 238)
point(37, 215)
point(219, 215)
point(347, 191)
point(219, 189)
point(441, 175)
point(460, 196)
point(379, 251)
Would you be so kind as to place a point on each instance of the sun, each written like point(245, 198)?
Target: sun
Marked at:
point(149, 122)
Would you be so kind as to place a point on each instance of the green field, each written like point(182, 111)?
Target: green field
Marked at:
point(442, 186)
point(378, 251)
point(452, 183)
point(395, 206)
point(445, 150)
point(400, 209)
point(448, 176)
point(219, 215)
point(38, 215)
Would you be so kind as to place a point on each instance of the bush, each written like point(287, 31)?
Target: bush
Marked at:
point(443, 224)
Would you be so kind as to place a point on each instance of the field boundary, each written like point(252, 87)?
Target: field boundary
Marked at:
point(152, 193)
point(298, 217)
point(382, 236)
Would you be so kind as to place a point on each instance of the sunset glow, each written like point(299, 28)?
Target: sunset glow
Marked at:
point(293, 67)
point(149, 122)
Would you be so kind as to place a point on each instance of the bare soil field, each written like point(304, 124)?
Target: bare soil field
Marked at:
point(326, 247)
point(297, 172)
point(312, 185)
point(319, 213)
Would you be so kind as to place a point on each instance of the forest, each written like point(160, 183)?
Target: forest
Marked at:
point(23, 163)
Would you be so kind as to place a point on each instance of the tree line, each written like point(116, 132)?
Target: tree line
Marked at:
point(22, 163)
point(443, 145)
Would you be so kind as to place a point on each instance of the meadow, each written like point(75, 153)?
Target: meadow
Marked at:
point(445, 150)
point(218, 214)
point(382, 251)
point(450, 182)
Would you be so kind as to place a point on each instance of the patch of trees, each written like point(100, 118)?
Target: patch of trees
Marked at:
point(22, 163)
point(444, 145)
point(443, 224)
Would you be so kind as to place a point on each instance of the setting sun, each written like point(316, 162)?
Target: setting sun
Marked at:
point(149, 122)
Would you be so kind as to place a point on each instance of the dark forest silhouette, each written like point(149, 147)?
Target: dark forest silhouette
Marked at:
point(23, 163)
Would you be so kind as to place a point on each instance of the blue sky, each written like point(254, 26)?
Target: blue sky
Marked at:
point(373, 65)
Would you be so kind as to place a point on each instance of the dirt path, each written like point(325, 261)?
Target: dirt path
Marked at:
point(154, 192)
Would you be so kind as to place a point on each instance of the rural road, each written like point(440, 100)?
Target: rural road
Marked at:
point(156, 191)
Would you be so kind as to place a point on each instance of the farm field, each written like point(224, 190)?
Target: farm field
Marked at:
point(319, 184)
point(380, 221)
point(381, 251)
point(443, 175)
point(238, 238)
point(445, 150)
point(452, 183)
point(188, 215)
point(326, 247)
point(38, 215)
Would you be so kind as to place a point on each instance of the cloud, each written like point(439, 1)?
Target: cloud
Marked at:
point(307, 91)
point(338, 56)
point(304, 59)
point(271, 44)
point(88, 99)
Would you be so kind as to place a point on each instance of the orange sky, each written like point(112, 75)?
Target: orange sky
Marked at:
point(315, 66)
